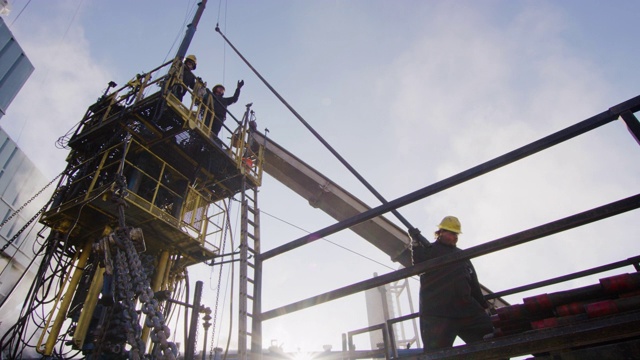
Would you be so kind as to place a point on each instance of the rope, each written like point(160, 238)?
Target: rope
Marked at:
point(190, 10)
point(49, 279)
point(24, 273)
point(327, 240)
point(215, 308)
point(231, 276)
point(224, 48)
point(12, 342)
point(317, 135)
point(20, 13)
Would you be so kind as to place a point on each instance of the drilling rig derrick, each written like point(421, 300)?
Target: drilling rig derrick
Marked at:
point(146, 179)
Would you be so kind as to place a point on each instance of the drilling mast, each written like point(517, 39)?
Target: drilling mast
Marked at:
point(157, 158)
point(144, 196)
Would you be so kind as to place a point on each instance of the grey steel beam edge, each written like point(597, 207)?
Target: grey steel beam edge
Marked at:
point(522, 237)
point(632, 124)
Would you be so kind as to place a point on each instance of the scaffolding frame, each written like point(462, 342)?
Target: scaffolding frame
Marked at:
point(624, 110)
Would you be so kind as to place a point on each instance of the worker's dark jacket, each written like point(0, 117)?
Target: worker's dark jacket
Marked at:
point(219, 105)
point(188, 79)
point(452, 291)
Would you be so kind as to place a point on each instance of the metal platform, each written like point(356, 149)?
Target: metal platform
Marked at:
point(168, 144)
point(595, 337)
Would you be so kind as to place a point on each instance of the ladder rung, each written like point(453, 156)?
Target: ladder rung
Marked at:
point(249, 297)
point(253, 237)
point(252, 210)
point(251, 281)
point(251, 223)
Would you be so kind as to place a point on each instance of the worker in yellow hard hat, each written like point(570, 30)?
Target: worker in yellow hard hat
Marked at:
point(187, 78)
point(451, 302)
point(191, 62)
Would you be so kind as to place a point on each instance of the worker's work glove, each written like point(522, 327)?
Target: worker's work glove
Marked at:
point(414, 233)
point(491, 308)
point(240, 84)
point(417, 238)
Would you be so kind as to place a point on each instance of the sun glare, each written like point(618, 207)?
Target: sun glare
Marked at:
point(303, 356)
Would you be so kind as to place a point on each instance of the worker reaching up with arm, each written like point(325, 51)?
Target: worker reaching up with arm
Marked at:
point(220, 104)
point(451, 302)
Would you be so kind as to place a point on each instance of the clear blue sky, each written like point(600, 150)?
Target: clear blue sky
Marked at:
point(410, 92)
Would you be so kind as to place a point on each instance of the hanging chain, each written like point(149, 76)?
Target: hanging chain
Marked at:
point(26, 226)
point(127, 297)
point(133, 282)
point(160, 332)
point(30, 200)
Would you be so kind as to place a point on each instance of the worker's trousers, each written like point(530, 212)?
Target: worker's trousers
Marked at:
point(440, 332)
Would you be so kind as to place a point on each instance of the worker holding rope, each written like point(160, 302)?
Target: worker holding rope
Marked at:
point(451, 302)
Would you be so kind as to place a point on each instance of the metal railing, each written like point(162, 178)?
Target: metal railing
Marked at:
point(625, 110)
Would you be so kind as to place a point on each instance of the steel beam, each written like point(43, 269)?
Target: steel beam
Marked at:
point(498, 162)
point(632, 124)
point(522, 237)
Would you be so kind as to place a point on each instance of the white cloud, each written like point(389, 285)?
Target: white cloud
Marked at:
point(65, 82)
point(469, 91)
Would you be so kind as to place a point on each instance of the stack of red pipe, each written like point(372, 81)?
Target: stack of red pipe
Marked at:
point(611, 295)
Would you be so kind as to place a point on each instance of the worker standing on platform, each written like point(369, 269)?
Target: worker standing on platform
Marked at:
point(451, 302)
point(187, 77)
point(220, 104)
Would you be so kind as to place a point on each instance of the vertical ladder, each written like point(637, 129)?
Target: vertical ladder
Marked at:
point(250, 276)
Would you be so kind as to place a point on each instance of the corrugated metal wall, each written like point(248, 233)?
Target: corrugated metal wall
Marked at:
point(15, 67)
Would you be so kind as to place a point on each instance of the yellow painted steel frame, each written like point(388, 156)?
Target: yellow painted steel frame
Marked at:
point(64, 305)
point(88, 308)
point(248, 160)
point(216, 219)
point(134, 91)
point(194, 201)
point(197, 112)
point(130, 94)
point(194, 198)
point(188, 211)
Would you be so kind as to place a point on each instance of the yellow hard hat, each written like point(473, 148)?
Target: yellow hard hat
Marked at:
point(192, 58)
point(450, 223)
